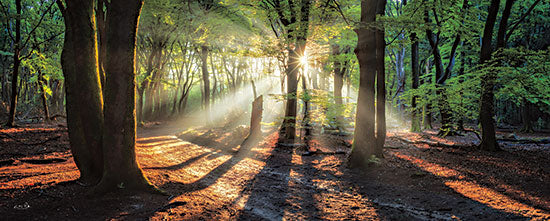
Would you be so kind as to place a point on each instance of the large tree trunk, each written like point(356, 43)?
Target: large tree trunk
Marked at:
point(16, 64)
point(364, 139)
point(380, 84)
point(83, 91)
point(119, 137)
point(101, 38)
point(486, 113)
point(288, 129)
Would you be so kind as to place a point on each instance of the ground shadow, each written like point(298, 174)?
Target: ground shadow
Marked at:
point(416, 193)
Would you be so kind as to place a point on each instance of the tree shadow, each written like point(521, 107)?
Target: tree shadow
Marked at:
point(420, 192)
point(245, 151)
point(268, 190)
point(182, 164)
point(521, 181)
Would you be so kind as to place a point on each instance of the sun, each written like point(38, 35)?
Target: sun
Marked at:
point(304, 60)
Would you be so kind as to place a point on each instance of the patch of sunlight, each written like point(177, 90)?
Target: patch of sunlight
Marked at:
point(161, 148)
point(38, 180)
point(200, 169)
point(495, 199)
point(432, 168)
point(473, 191)
point(156, 138)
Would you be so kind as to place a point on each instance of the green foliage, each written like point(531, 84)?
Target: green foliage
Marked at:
point(326, 112)
point(523, 76)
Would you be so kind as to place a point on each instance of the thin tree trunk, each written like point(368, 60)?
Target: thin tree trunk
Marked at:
point(339, 70)
point(415, 69)
point(427, 109)
point(338, 75)
point(16, 64)
point(43, 97)
point(380, 84)
point(206, 81)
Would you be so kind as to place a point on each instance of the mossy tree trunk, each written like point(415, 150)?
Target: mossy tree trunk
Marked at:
point(121, 169)
point(83, 90)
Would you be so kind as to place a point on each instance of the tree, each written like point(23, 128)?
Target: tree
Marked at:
point(16, 64)
point(364, 139)
point(380, 82)
point(415, 79)
point(442, 74)
point(84, 102)
point(119, 138)
point(103, 139)
point(20, 44)
point(292, 19)
point(487, 112)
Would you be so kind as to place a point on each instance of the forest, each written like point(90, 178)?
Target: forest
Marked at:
point(275, 110)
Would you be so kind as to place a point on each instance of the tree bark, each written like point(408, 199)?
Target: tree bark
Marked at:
point(380, 83)
point(527, 117)
point(427, 109)
point(289, 122)
point(364, 139)
point(338, 75)
point(16, 64)
point(206, 81)
point(486, 112)
point(121, 169)
point(101, 38)
point(83, 91)
point(415, 69)
point(43, 97)
point(339, 71)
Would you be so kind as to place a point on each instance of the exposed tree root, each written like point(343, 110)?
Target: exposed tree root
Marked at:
point(133, 185)
point(472, 131)
point(447, 132)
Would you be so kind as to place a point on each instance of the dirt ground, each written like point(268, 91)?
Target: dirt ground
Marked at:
point(209, 177)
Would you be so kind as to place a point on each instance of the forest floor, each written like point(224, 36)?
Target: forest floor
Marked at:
point(209, 178)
